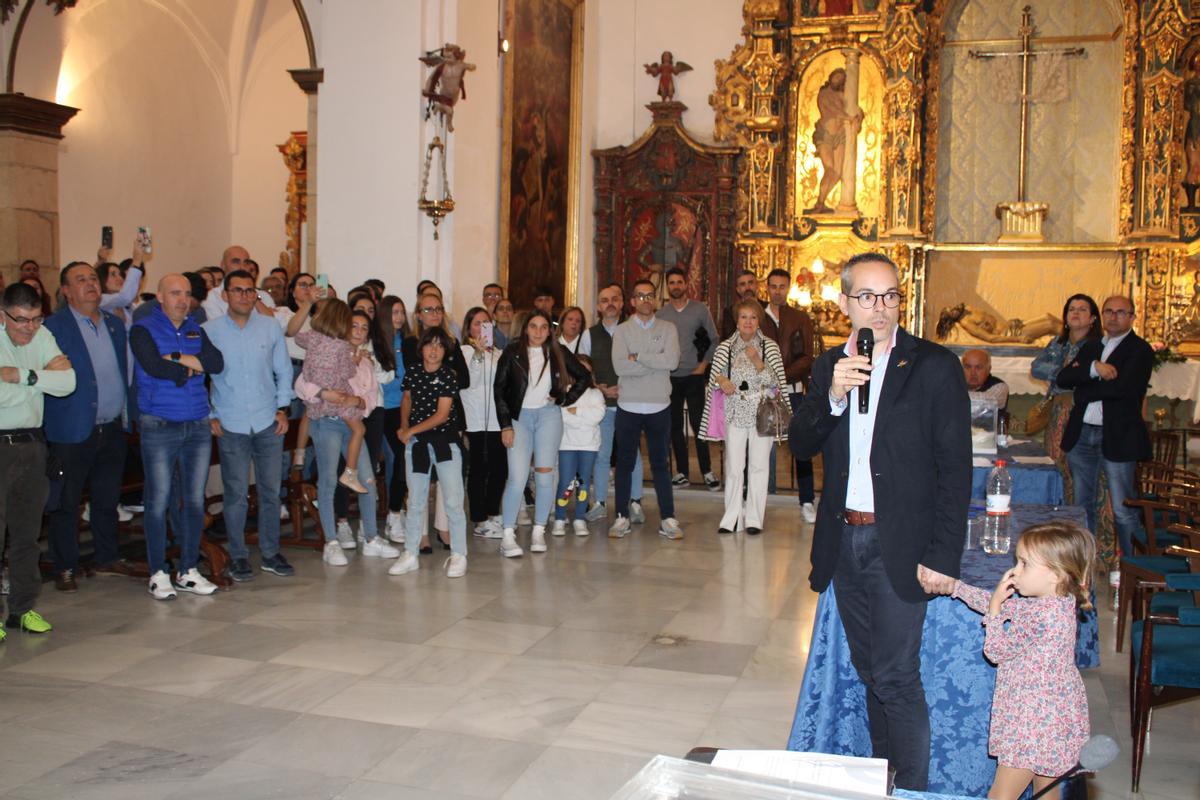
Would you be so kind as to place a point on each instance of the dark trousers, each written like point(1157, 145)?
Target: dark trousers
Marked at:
point(804, 467)
point(884, 633)
point(398, 487)
point(487, 472)
point(689, 388)
point(627, 438)
point(23, 491)
point(97, 463)
point(373, 439)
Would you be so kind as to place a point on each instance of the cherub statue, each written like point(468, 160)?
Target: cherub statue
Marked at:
point(445, 84)
point(665, 71)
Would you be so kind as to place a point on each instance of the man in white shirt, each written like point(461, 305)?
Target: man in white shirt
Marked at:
point(236, 257)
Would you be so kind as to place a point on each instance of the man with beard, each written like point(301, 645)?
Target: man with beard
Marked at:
point(746, 288)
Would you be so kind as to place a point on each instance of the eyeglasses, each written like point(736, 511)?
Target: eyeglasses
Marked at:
point(1116, 312)
point(433, 310)
point(492, 295)
point(868, 300)
point(34, 321)
point(643, 296)
point(305, 284)
point(244, 291)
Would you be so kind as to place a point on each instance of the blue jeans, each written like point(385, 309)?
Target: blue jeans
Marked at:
point(570, 464)
point(604, 461)
point(166, 446)
point(536, 436)
point(1085, 459)
point(450, 478)
point(658, 436)
point(238, 450)
point(330, 437)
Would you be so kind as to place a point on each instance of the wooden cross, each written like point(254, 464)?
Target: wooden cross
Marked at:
point(1025, 54)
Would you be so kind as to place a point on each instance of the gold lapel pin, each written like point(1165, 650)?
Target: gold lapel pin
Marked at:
point(901, 362)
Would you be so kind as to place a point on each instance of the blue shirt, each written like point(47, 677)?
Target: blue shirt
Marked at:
point(257, 378)
point(110, 383)
point(393, 391)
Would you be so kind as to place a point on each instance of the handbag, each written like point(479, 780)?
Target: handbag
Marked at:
point(1039, 416)
point(773, 416)
point(715, 429)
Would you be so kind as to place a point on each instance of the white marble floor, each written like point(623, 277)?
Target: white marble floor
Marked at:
point(551, 676)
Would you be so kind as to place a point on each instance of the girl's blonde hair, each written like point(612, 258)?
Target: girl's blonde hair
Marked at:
point(1069, 551)
point(333, 319)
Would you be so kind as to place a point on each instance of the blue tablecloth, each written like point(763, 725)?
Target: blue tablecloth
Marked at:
point(831, 714)
point(1032, 483)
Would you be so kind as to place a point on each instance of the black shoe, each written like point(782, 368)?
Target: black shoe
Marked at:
point(65, 581)
point(241, 571)
point(445, 545)
point(278, 565)
point(724, 530)
point(426, 549)
point(754, 531)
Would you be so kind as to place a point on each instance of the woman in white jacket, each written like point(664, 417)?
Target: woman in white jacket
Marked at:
point(577, 455)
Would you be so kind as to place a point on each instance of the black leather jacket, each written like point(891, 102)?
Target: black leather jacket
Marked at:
point(512, 379)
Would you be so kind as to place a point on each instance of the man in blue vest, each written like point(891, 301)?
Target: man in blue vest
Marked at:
point(86, 429)
point(171, 356)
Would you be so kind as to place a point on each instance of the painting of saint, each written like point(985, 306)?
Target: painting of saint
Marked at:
point(662, 236)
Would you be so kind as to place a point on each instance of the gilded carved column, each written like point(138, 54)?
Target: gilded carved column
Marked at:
point(904, 42)
point(295, 157)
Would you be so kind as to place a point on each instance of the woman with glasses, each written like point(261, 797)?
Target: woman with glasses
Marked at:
point(746, 367)
point(533, 378)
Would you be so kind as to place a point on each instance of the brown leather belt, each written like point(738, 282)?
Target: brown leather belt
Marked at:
point(858, 517)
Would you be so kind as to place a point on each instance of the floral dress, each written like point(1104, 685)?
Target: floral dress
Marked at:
point(741, 409)
point(1039, 709)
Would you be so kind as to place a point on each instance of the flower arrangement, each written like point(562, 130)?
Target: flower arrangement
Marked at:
point(1163, 354)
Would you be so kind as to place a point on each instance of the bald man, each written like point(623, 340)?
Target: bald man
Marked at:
point(237, 257)
point(171, 355)
point(977, 369)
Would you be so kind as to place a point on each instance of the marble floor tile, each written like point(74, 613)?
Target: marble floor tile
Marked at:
point(562, 772)
point(694, 655)
point(634, 730)
point(23, 695)
point(602, 647)
point(568, 678)
point(87, 661)
point(356, 655)
point(445, 666)
point(434, 760)
point(161, 629)
point(282, 687)
point(519, 712)
point(764, 700)
point(328, 746)
point(668, 689)
point(490, 637)
point(607, 618)
point(118, 769)
point(731, 732)
point(103, 711)
point(207, 727)
point(246, 781)
point(30, 752)
point(728, 628)
point(391, 702)
point(246, 641)
point(377, 790)
point(193, 675)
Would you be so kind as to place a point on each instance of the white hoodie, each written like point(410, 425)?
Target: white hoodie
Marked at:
point(581, 430)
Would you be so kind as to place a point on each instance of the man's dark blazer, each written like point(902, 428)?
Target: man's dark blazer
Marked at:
point(70, 419)
point(1125, 437)
point(920, 463)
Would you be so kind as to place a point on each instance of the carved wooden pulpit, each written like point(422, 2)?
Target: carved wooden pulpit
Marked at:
point(667, 201)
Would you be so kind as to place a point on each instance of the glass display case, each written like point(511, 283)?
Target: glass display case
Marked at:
point(666, 778)
point(985, 416)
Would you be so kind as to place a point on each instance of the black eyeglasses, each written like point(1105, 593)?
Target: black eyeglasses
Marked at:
point(643, 296)
point(869, 300)
point(34, 321)
point(242, 290)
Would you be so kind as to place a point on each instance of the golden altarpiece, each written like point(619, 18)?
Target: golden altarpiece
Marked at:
point(919, 103)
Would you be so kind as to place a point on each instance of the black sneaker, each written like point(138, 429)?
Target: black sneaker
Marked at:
point(679, 480)
point(278, 565)
point(241, 571)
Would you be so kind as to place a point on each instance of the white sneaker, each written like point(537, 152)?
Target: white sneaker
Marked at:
point(406, 563)
point(160, 586)
point(537, 541)
point(581, 528)
point(379, 548)
point(808, 512)
point(123, 514)
point(620, 528)
point(597, 512)
point(679, 479)
point(523, 516)
point(1114, 579)
point(395, 526)
point(489, 529)
point(345, 536)
point(508, 544)
point(669, 528)
point(283, 512)
point(333, 555)
point(195, 583)
point(559, 528)
point(711, 482)
point(636, 515)
point(456, 566)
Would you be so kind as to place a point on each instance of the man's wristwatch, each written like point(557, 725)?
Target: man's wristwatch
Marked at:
point(282, 410)
point(175, 356)
point(32, 379)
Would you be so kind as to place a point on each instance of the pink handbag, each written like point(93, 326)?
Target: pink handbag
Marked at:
point(716, 414)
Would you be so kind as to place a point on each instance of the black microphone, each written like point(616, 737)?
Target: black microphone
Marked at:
point(866, 346)
point(1097, 753)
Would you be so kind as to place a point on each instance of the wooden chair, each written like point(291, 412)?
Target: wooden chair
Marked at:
point(1165, 446)
point(1164, 663)
point(1182, 511)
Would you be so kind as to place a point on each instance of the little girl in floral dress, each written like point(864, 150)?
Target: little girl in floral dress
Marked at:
point(1039, 709)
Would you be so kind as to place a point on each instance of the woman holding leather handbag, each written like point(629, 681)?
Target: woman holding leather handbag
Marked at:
point(746, 368)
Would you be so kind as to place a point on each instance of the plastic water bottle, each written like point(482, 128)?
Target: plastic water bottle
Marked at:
point(996, 537)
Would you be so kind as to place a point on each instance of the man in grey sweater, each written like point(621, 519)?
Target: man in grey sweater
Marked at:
point(645, 350)
point(697, 340)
